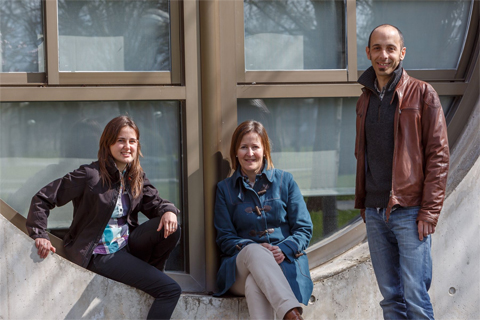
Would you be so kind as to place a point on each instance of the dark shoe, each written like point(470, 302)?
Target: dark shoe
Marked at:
point(293, 314)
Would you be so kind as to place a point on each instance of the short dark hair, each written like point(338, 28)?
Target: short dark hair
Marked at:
point(402, 40)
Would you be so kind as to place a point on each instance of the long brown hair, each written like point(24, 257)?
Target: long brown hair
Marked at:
point(243, 129)
point(108, 138)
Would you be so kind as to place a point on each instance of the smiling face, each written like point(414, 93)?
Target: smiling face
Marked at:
point(124, 150)
point(250, 155)
point(385, 53)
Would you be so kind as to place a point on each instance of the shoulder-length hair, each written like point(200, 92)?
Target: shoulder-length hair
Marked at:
point(108, 138)
point(243, 129)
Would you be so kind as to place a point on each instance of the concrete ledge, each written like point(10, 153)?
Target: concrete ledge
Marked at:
point(55, 288)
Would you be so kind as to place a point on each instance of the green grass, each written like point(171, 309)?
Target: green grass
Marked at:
point(344, 218)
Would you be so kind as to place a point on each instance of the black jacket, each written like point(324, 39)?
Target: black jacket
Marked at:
point(93, 205)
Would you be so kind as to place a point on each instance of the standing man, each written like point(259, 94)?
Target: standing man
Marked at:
point(402, 163)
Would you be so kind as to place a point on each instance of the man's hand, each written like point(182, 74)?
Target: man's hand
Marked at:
point(277, 252)
point(44, 247)
point(424, 229)
point(169, 223)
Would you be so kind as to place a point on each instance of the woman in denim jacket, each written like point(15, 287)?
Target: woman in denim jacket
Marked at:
point(263, 228)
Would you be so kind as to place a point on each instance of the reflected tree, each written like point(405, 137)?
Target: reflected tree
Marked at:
point(433, 43)
point(142, 30)
point(294, 34)
point(21, 36)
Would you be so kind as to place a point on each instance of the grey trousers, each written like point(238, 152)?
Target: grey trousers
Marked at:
point(261, 280)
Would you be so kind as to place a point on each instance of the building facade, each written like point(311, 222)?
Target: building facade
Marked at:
point(188, 72)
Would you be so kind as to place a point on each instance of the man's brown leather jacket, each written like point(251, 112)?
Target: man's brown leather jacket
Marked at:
point(420, 156)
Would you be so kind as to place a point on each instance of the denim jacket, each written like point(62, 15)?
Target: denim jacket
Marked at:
point(273, 211)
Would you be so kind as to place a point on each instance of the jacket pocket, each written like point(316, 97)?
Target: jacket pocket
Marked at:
point(297, 274)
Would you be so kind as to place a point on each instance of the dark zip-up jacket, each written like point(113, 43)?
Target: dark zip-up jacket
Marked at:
point(421, 154)
point(93, 205)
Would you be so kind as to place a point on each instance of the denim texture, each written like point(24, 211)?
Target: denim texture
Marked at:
point(402, 263)
point(274, 212)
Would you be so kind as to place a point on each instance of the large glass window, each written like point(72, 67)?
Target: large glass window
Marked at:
point(314, 139)
point(42, 141)
point(112, 35)
point(294, 34)
point(434, 31)
point(21, 36)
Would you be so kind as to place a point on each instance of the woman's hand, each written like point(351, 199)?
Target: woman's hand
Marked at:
point(277, 252)
point(44, 247)
point(168, 223)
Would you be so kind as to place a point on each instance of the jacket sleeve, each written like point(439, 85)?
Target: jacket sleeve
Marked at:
point(227, 238)
point(435, 142)
point(56, 194)
point(152, 205)
point(301, 226)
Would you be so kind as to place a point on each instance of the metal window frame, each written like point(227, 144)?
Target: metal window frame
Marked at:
point(54, 77)
point(296, 76)
point(57, 87)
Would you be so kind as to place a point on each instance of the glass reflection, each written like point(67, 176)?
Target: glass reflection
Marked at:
point(42, 141)
point(21, 36)
point(313, 139)
point(294, 34)
point(113, 35)
point(447, 103)
point(434, 32)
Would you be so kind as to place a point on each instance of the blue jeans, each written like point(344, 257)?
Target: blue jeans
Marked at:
point(402, 263)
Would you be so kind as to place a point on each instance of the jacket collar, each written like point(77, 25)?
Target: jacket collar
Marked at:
point(112, 169)
point(238, 176)
point(368, 78)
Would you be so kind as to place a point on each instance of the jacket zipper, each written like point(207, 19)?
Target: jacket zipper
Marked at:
point(397, 124)
point(90, 250)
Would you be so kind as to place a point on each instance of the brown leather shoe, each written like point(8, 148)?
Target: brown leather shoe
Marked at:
point(293, 314)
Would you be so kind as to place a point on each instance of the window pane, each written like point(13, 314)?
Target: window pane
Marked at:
point(294, 34)
point(113, 35)
point(447, 103)
point(42, 141)
point(434, 32)
point(314, 139)
point(21, 36)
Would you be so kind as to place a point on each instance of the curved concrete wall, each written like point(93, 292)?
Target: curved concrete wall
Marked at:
point(55, 288)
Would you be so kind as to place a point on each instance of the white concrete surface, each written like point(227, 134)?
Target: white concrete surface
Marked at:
point(55, 288)
point(455, 290)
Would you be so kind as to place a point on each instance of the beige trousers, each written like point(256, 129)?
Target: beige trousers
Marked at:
point(261, 280)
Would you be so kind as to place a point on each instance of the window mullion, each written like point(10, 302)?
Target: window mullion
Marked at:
point(51, 39)
point(351, 26)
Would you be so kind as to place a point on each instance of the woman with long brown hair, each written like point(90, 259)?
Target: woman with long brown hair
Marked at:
point(105, 236)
